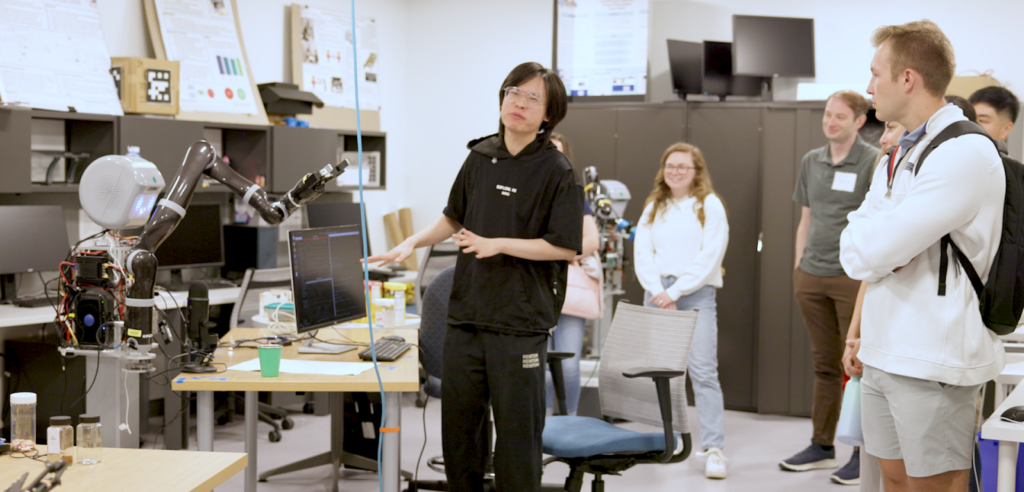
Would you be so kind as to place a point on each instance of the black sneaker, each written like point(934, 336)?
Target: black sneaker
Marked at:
point(849, 474)
point(814, 457)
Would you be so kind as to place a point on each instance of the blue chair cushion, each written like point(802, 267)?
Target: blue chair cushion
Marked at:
point(579, 437)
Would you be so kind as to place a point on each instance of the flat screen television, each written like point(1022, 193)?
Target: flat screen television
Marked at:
point(772, 46)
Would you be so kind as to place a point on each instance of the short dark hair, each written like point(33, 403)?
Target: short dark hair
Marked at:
point(558, 101)
point(1000, 98)
point(964, 106)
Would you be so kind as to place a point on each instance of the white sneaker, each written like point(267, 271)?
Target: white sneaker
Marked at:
point(714, 467)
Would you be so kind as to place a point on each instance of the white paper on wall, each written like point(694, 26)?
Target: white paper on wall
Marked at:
point(327, 58)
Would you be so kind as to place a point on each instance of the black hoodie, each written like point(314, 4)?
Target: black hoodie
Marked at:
point(531, 195)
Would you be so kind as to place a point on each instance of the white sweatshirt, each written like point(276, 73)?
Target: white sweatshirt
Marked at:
point(907, 328)
point(677, 245)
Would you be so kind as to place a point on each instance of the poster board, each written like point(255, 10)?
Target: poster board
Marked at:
point(53, 56)
point(332, 116)
point(601, 46)
point(234, 63)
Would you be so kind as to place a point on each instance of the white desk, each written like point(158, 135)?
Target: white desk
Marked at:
point(11, 315)
point(1009, 435)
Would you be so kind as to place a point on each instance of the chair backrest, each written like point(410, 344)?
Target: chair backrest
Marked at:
point(434, 321)
point(255, 282)
point(645, 337)
point(439, 257)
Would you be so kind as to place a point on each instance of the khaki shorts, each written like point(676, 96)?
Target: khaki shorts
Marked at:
point(927, 424)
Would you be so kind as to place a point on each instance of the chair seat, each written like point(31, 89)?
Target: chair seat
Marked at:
point(579, 437)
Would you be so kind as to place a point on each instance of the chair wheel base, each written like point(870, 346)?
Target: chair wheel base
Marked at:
point(287, 423)
point(274, 436)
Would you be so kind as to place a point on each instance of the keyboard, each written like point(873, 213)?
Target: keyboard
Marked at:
point(387, 350)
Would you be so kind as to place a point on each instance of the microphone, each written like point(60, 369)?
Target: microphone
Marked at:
point(198, 324)
point(198, 310)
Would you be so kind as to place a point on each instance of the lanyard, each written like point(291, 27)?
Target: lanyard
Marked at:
point(891, 175)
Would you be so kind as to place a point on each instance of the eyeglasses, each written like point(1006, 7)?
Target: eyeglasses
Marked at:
point(678, 169)
point(529, 99)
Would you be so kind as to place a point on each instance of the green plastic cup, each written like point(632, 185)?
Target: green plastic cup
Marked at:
point(270, 360)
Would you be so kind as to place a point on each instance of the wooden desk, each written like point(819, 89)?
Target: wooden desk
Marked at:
point(131, 470)
point(404, 377)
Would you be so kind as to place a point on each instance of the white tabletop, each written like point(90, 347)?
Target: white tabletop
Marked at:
point(996, 429)
point(11, 315)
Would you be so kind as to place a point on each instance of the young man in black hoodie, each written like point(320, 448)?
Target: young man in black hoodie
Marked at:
point(516, 210)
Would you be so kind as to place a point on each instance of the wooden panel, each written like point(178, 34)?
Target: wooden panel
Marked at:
point(297, 151)
point(730, 139)
point(16, 157)
point(591, 132)
point(162, 142)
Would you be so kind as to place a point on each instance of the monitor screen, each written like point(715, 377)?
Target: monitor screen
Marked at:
point(684, 60)
point(327, 278)
point(772, 46)
point(718, 77)
point(333, 214)
point(35, 238)
point(197, 241)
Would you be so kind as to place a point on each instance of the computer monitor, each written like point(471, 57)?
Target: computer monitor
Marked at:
point(718, 77)
point(333, 214)
point(197, 241)
point(36, 240)
point(327, 278)
point(684, 59)
point(772, 46)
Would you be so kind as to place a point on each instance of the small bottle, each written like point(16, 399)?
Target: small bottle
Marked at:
point(60, 440)
point(90, 439)
point(23, 421)
point(133, 151)
point(397, 291)
point(385, 313)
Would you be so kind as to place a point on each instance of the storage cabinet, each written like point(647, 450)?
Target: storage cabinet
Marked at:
point(753, 153)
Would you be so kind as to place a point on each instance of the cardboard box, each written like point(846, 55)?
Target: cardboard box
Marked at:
point(146, 85)
point(965, 86)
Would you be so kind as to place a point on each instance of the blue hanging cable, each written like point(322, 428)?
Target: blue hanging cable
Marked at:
point(366, 270)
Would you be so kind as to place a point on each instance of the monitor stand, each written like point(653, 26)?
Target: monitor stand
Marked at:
point(8, 287)
point(198, 368)
point(311, 346)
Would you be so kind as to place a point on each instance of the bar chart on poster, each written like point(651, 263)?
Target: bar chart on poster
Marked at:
point(601, 47)
point(202, 35)
point(53, 56)
point(324, 44)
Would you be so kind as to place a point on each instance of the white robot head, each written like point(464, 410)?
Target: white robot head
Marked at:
point(119, 191)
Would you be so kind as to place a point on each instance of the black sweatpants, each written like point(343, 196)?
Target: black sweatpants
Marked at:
point(507, 371)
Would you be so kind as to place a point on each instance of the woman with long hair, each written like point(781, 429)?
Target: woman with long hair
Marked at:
point(568, 335)
point(680, 243)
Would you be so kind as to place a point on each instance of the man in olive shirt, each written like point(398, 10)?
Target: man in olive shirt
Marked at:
point(833, 182)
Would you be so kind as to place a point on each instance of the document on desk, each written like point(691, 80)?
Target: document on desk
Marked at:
point(310, 367)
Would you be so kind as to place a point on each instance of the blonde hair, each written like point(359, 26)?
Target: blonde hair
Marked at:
point(566, 148)
point(700, 188)
point(854, 100)
point(920, 46)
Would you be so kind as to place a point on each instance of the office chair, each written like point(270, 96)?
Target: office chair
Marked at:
point(642, 343)
point(253, 283)
point(439, 257)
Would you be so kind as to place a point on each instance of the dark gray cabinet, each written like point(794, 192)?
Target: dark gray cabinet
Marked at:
point(729, 137)
point(16, 156)
point(163, 142)
point(753, 152)
point(298, 151)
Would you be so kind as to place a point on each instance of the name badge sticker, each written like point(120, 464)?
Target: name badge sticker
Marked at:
point(844, 182)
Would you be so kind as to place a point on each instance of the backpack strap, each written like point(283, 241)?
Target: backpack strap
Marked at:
point(956, 129)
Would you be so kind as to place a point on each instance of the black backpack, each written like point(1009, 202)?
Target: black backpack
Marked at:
point(1002, 297)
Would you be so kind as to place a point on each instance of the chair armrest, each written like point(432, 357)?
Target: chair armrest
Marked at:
point(652, 372)
point(554, 361)
point(661, 377)
point(560, 355)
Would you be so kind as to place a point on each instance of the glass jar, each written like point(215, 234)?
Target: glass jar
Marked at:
point(397, 292)
point(90, 439)
point(60, 440)
point(23, 421)
point(385, 313)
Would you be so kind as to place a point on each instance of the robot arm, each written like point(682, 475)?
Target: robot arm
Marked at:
point(202, 159)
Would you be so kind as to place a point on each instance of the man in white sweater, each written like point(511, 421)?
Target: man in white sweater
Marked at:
point(924, 356)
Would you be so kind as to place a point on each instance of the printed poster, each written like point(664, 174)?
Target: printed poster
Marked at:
point(327, 58)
